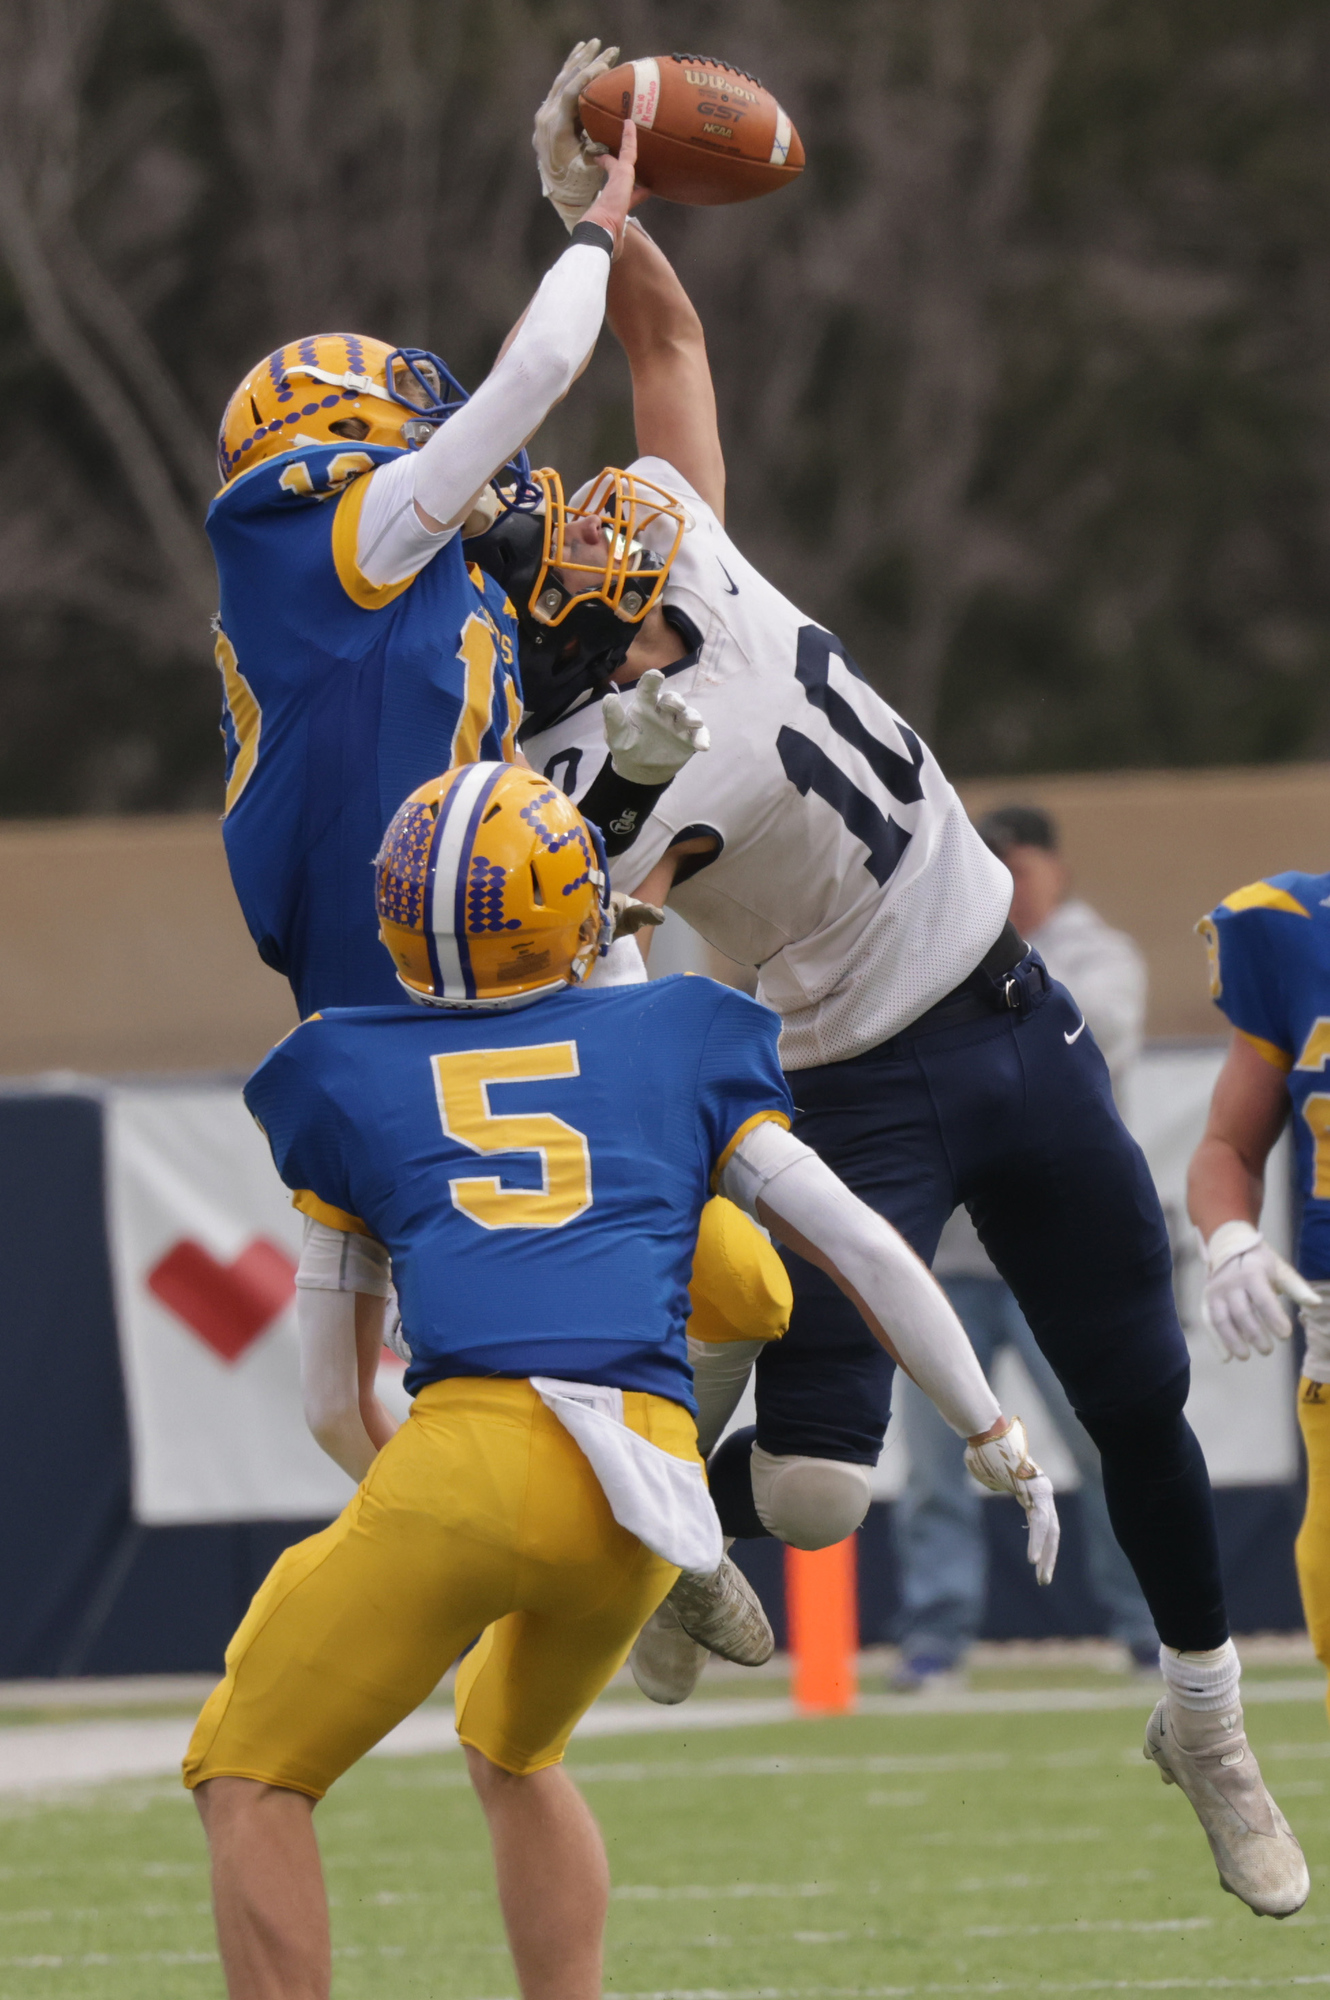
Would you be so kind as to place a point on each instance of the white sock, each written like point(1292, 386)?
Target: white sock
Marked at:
point(1202, 1682)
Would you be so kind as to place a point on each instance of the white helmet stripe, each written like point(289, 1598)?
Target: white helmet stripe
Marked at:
point(450, 856)
point(362, 384)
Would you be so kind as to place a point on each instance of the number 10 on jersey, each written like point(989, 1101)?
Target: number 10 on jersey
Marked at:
point(462, 1084)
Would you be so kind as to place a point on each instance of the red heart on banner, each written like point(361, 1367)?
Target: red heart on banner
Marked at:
point(227, 1305)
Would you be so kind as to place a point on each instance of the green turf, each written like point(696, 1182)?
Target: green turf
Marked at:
point(946, 1854)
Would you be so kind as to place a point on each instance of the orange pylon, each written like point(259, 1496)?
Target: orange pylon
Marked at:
point(822, 1616)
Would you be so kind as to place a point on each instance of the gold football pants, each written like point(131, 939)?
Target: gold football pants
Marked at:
point(740, 1288)
point(1312, 1547)
point(480, 1517)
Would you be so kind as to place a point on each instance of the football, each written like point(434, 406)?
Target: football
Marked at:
point(707, 133)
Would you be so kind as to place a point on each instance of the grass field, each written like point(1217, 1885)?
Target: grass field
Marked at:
point(865, 1856)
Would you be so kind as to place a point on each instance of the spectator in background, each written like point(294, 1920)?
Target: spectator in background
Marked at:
point(938, 1524)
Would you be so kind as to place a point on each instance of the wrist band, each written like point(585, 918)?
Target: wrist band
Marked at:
point(598, 237)
point(619, 807)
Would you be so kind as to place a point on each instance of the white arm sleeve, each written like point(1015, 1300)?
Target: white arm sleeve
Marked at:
point(329, 1386)
point(721, 1369)
point(559, 331)
point(867, 1257)
point(337, 1260)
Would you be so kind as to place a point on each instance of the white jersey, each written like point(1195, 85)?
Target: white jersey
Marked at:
point(847, 871)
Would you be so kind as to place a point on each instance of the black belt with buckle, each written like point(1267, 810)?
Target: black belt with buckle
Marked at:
point(1002, 983)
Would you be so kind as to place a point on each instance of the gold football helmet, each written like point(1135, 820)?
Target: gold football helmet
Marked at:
point(335, 386)
point(491, 889)
point(593, 546)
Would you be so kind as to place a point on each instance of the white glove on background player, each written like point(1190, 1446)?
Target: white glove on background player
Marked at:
point(1004, 1465)
point(570, 172)
point(653, 733)
point(1241, 1303)
point(1316, 1329)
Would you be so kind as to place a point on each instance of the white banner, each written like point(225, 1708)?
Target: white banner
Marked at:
point(204, 1244)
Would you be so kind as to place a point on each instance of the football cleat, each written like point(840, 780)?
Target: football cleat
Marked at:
point(665, 1662)
point(491, 889)
point(724, 1613)
point(1255, 1851)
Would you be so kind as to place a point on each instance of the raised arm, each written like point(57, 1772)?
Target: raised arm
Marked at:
point(416, 502)
point(548, 351)
point(674, 404)
point(674, 401)
point(783, 1185)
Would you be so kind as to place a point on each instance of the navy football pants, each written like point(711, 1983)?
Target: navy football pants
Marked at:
point(1014, 1117)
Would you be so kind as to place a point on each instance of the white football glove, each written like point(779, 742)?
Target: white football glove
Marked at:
point(1241, 1302)
point(630, 916)
point(653, 734)
point(570, 172)
point(1004, 1465)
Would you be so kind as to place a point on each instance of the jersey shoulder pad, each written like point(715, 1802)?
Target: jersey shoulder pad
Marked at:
point(1277, 892)
point(1254, 939)
point(299, 478)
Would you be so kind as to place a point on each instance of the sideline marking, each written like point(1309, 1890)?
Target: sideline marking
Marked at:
point(45, 1757)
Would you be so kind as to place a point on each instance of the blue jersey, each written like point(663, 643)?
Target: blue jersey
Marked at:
point(340, 697)
point(536, 1176)
point(1269, 948)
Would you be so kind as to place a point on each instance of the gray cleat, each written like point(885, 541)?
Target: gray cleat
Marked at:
point(666, 1663)
point(724, 1613)
point(1255, 1851)
point(720, 1613)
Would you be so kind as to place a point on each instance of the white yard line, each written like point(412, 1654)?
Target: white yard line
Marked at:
point(48, 1756)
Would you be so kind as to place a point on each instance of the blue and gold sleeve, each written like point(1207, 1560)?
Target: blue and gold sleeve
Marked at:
point(1249, 944)
point(739, 1082)
point(305, 1130)
point(286, 533)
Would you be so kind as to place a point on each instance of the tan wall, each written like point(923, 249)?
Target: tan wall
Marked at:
point(121, 947)
point(1154, 850)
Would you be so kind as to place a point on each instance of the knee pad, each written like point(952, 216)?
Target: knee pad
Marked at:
point(810, 1503)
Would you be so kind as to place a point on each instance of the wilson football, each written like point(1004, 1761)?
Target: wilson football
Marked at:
point(706, 133)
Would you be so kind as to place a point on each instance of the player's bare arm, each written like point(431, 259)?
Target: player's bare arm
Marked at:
point(1248, 1280)
point(654, 887)
point(674, 401)
point(1226, 1179)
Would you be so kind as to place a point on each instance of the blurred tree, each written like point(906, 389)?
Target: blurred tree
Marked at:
point(1022, 386)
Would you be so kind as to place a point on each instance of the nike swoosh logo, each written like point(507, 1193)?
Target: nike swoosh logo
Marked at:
point(1069, 1039)
point(730, 585)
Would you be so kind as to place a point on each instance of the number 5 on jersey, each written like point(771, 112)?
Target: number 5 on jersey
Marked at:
point(462, 1083)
